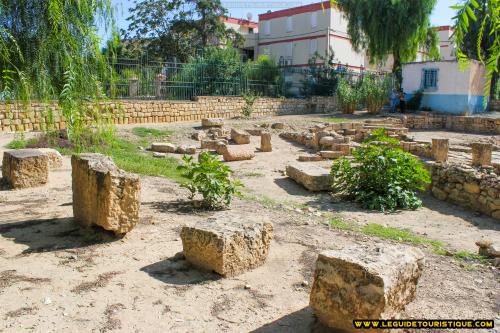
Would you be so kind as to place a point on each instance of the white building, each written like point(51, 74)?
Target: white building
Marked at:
point(446, 88)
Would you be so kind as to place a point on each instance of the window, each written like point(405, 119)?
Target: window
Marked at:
point(289, 50)
point(313, 46)
point(289, 24)
point(267, 27)
point(314, 19)
point(267, 51)
point(250, 30)
point(430, 78)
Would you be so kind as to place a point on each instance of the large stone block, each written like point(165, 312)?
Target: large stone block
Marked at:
point(236, 153)
point(364, 282)
point(103, 194)
point(25, 168)
point(265, 142)
point(240, 137)
point(159, 147)
point(312, 177)
point(228, 245)
point(55, 158)
point(212, 122)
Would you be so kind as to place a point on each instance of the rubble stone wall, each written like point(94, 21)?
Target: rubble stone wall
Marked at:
point(466, 124)
point(470, 187)
point(18, 118)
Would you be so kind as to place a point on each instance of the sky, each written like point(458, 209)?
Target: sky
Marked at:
point(442, 14)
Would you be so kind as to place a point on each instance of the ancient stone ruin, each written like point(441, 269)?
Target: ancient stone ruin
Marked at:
point(312, 177)
point(103, 194)
point(228, 245)
point(362, 282)
point(25, 168)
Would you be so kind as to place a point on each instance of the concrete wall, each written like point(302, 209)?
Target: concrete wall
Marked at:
point(458, 92)
point(35, 117)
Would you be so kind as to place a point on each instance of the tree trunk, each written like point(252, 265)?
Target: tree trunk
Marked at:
point(397, 70)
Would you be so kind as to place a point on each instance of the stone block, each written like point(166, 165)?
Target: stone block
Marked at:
point(331, 154)
point(310, 158)
point(25, 168)
point(103, 194)
point(188, 150)
point(364, 282)
point(481, 154)
point(228, 245)
point(212, 144)
point(440, 148)
point(265, 142)
point(212, 122)
point(163, 147)
point(199, 135)
point(240, 137)
point(55, 158)
point(312, 177)
point(236, 153)
point(255, 131)
point(278, 126)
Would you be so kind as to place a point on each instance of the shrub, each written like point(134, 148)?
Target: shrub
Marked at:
point(380, 177)
point(375, 92)
point(415, 101)
point(348, 96)
point(250, 98)
point(380, 135)
point(210, 178)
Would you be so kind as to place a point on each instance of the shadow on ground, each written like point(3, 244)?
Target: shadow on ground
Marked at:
point(302, 321)
point(180, 207)
point(54, 234)
point(178, 271)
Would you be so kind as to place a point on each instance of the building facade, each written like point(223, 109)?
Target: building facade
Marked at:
point(446, 88)
point(293, 36)
point(446, 45)
point(249, 30)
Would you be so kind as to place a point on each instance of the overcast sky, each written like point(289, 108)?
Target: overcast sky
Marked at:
point(442, 14)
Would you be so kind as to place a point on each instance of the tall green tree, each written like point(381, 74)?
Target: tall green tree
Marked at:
point(50, 50)
point(178, 28)
point(477, 35)
point(397, 27)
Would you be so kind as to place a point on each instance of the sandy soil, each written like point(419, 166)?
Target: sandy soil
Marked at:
point(56, 276)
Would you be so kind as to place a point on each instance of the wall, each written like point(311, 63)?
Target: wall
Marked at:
point(17, 118)
point(457, 92)
point(473, 188)
point(425, 120)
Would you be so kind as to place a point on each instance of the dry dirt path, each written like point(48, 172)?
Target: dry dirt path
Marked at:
point(58, 277)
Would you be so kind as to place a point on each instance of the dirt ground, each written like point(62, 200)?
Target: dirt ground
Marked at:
point(56, 276)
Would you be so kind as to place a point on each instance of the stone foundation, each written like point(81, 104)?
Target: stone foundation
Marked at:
point(103, 194)
point(424, 120)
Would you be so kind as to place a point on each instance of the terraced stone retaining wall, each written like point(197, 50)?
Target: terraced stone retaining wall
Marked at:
point(425, 120)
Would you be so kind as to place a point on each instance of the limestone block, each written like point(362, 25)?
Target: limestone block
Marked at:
point(25, 168)
point(310, 158)
point(265, 142)
point(55, 158)
point(278, 126)
point(188, 150)
point(361, 282)
point(481, 154)
point(212, 144)
point(240, 137)
point(212, 122)
point(199, 135)
point(331, 154)
point(327, 141)
point(103, 194)
point(312, 177)
point(440, 148)
point(163, 147)
point(237, 153)
point(228, 245)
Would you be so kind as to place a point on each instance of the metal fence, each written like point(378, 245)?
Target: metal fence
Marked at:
point(134, 79)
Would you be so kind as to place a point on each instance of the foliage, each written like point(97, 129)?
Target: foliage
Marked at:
point(49, 50)
point(211, 178)
point(397, 27)
point(375, 92)
point(250, 98)
point(478, 24)
point(415, 101)
point(380, 177)
point(322, 80)
point(380, 135)
point(20, 142)
point(263, 76)
point(348, 96)
point(144, 132)
point(178, 28)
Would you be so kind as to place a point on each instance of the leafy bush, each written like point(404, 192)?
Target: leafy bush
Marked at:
point(415, 101)
point(348, 96)
point(375, 92)
point(210, 178)
point(250, 98)
point(381, 177)
point(380, 135)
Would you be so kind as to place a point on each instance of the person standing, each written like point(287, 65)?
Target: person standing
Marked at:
point(394, 99)
point(402, 101)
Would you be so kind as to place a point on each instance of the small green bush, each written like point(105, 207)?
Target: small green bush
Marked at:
point(348, 97)
point(375, 92)
point(210, 178)
point(380, 135)
point(250, 98)
point(380, 177)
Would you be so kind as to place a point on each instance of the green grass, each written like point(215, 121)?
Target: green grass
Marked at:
point(20, 143)
point(401, 235)
point(151, 133)
point(468, 256)
point(339, 223)
point(252, 174)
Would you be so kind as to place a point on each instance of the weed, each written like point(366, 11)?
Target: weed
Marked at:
point(144, 132)
point(253, 174)
point(468, 256)
point(339, 223)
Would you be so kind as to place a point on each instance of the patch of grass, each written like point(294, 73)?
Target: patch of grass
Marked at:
point(338, 120)
point(268, 202)
point(339, 223)
point(20, 143)
point(154, 133)
point(468, 256)
point(253, 174)
point(401, 235)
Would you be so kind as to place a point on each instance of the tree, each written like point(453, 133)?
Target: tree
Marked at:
point(178, 28)
point(397, 27)
point(50, 50)
point(477, 35)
